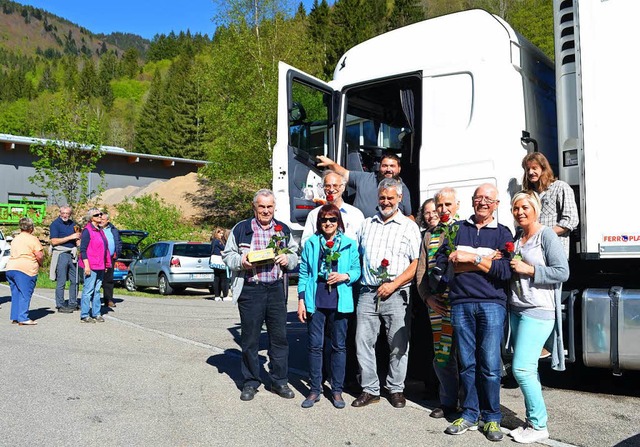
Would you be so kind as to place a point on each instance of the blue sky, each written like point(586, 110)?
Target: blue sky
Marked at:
point(145, 18)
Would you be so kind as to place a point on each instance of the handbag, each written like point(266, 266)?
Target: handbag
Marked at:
point(215, 262)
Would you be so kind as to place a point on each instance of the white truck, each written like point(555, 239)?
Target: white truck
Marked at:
point(461, 99)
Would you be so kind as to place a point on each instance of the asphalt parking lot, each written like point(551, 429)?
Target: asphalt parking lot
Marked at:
point(163, 372)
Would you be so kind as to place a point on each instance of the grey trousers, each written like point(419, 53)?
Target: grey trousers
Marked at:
point(396, 316)
point(66, 271)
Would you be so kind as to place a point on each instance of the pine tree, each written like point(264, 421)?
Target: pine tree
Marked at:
point(88, 80)
point(150, 129)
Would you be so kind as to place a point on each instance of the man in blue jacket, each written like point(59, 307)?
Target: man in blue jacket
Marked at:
point(478, 309)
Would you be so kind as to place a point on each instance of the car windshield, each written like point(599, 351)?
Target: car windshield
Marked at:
point(192, 250)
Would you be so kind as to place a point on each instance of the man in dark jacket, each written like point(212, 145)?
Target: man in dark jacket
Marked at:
point(115, 248)
point(258, 290)
point(478, 309)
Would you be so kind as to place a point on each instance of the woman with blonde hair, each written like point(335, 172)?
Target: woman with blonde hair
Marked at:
point(540, 267)
point(22, 271)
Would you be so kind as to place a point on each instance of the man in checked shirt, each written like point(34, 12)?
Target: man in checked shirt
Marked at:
point(390, 247)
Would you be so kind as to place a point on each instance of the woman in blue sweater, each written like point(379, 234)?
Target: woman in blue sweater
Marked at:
point(329, 266)
point(540, 267)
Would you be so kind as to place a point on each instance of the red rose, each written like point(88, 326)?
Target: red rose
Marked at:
point(384, 263)
point(278, 228)
point(510, 247)
point(330, 244)
point(330, 198)
point(445, 218)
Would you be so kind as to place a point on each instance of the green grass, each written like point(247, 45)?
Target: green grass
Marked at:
point(44, 282)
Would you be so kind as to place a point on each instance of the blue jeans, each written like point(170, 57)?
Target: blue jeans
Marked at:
point(337, 326)
point(66, 270)
point(394, 312)
point(91, 294)
point(478, 330)
point(22, 286)
point(529, 336)
point(266, 303)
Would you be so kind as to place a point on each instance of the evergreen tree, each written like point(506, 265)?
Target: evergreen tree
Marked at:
point(319, 26)
point(406, 12)
point(48, 81)
point(70, 72)
point(150, 129)
point(129, 63)
point(88, 80)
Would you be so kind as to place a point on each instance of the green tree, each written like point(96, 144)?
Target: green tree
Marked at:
point(129, 63)
point(406, 12)
point(64, 164)
point(88, 80)
point(319, 25)
point(161, 220)
point(48, 80)
point(150, 130)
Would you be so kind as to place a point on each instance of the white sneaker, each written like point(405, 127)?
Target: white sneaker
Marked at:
point(227, 298)
point(517, 431)
point(217, 299)
point(530, 435)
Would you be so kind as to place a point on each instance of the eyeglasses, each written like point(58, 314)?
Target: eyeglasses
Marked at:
point(97, 215)
point(334, 186)
point(487, 200)
point(328, 219)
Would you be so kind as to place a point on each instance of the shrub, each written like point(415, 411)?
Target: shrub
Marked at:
point(152, 214)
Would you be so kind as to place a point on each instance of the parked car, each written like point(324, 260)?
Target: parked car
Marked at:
point(5, 252)
point(171, 266)
point(130, 242)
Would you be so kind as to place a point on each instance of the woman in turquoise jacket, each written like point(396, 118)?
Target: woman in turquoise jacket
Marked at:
point(330, 265)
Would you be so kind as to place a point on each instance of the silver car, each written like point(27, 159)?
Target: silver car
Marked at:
point(171, 266)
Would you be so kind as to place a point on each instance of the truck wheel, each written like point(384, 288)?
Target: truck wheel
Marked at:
point(130, 283)
point(163, 285)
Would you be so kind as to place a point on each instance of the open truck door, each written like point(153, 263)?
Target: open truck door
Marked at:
point(307, 110)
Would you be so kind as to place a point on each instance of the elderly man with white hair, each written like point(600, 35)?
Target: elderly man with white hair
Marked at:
point(477, 293)
point(390, 246)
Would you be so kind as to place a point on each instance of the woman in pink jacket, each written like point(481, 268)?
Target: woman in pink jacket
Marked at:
point(94, 258)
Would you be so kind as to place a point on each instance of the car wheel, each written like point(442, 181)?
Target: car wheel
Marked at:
point(130, 283)
point(163, 285)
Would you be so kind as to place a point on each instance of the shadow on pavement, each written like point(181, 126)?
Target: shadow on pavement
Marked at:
point(36, 314)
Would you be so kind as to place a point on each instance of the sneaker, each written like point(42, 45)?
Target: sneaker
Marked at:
point(492, 431)
point(460, 426)
point(87, 320)
point(217, 299)
point(227, 298)
point(99, 319)
point(65, 310)
point(529, 435)
point(517, 430)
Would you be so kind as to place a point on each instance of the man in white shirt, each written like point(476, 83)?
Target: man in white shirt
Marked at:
point(390, 248)
point(333, 184)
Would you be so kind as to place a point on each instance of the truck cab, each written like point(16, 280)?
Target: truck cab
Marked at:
point(450, 96)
